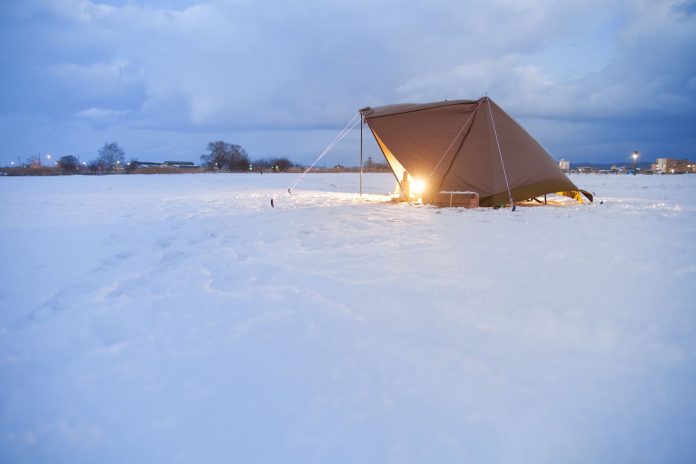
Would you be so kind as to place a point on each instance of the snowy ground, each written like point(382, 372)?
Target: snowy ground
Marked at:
point(165, 319)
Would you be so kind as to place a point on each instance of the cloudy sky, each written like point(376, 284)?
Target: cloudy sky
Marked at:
point(591, 80)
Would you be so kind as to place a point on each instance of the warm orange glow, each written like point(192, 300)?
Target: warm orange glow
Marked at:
point(418, 186)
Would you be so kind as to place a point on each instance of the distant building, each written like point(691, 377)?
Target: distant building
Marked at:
point(564, 165)
point(613, 169)
point(147, 164)
point(180, 164)
point(586, 170)
point(660, 165)
point(674, 166)
point(171, 164)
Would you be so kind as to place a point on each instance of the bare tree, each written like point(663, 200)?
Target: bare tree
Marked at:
point(95, 166)
point(223, 155)
point(111, 155)
point(68, 164)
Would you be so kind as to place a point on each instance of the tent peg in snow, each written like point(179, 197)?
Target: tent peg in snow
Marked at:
point(453, 149)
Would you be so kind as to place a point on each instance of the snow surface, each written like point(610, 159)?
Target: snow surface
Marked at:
point(165, 319)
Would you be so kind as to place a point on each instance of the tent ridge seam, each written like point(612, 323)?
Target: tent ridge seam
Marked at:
point(425, 106)
point(456, 155)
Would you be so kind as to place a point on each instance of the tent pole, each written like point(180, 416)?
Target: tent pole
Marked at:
point(362, 121)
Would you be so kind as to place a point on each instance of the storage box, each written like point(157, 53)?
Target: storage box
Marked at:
point(456, 199)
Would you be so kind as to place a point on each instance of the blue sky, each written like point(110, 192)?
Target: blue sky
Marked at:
point(591, 80)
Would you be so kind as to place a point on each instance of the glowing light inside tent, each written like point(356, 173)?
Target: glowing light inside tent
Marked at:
point(418, 186)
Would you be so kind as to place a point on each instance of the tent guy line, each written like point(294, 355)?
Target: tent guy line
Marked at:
point(500, 153)
point(348, 127)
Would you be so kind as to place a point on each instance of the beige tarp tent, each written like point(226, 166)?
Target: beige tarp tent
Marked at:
point(466, 145)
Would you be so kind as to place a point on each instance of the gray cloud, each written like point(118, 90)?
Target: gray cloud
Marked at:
point(578, 72)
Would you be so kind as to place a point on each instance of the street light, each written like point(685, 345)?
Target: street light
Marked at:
point(634, 155)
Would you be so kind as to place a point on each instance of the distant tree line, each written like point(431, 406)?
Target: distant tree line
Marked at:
point(221, 157)
point(274, 164)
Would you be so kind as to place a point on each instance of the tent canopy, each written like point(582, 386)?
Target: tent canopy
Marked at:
point(466, 145)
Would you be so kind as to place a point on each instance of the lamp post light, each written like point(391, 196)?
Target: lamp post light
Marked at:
point(634, 155)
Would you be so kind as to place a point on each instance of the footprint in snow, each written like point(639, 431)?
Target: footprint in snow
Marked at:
point(172, 257)
point(164, 242)
point(123, 255)
point(114, 239)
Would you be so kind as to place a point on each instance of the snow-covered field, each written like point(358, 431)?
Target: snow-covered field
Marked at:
point(165, 319)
